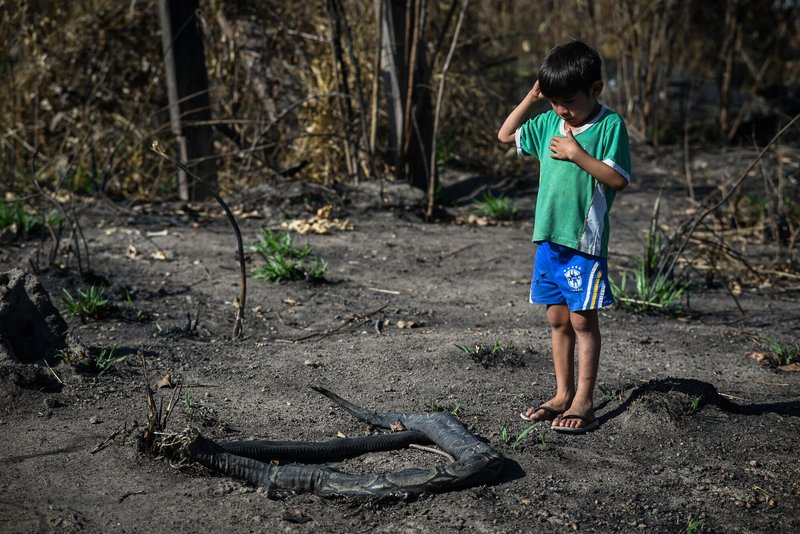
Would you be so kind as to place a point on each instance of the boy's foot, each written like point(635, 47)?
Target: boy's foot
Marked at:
point(541, 413)
point(575, 424)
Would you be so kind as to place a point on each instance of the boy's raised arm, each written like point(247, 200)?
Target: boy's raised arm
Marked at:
point(519, 114)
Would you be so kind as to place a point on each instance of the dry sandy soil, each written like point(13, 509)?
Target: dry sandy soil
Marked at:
point(654, 462)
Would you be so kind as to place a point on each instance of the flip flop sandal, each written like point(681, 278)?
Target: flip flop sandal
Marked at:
point(588, 425)
point(550, 413)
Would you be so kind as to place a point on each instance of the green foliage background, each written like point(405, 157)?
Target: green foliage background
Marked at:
point(84, 84)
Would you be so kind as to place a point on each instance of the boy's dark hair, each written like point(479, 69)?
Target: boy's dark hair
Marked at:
point(569, 68)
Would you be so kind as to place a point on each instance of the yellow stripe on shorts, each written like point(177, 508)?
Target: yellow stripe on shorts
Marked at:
point(596, 289)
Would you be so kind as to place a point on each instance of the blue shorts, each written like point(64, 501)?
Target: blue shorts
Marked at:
point(562, 275)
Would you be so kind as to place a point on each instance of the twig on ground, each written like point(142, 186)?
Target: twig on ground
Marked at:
point(103, 444)
point(777, 384)
point(124, 431)
point(379, 290)
point(432, 451)
point(640, 302)
point(52, 371)
point(351, 321)
point(781, 273)
point(456, 251)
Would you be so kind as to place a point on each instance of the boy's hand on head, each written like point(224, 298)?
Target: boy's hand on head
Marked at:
point(535, 94)
point(565, 148)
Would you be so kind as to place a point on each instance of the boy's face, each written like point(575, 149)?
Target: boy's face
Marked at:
point(578, 108)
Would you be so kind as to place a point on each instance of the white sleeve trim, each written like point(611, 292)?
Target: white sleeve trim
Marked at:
point(520, 152)
point(617, 168)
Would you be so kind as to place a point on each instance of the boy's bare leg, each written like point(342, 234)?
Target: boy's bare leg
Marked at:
point(562, 337)
point(587, 330)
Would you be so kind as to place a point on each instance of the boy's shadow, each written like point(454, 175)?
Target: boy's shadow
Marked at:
point(705, 392)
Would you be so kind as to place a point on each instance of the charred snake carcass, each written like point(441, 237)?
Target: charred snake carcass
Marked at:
point(475, 462)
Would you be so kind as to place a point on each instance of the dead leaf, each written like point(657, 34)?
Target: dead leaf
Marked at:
point(320, 223)
point(790, 367)
point(132, 253)
point(309, 363)
point(165, 382)
point(407, 324)
point(248, 214)
point(474, 220)
point(340, 435)
point(736, 289)
point(759, 356)
point(158, 255)
point(291, 301)
point(397, 426)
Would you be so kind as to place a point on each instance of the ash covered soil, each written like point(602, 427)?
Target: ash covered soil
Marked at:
point(691, 426)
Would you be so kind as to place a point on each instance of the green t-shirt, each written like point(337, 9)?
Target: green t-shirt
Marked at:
point(572, 207)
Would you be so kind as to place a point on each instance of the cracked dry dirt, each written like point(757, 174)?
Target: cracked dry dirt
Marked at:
point(653, 463)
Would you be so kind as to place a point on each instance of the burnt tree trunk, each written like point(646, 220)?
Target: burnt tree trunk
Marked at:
point(189, 103)
point(406, 83)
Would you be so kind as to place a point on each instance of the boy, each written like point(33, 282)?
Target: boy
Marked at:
point(583, 150)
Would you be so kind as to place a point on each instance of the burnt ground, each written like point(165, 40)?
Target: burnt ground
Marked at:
point(691, 425)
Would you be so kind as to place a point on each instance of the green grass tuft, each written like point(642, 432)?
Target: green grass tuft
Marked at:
point(695, 523)
point(284, 261)
point(497, 207)
point(650, 291)
point(91, 303)
point(14, 213)
point(782, 353)
point(522, 435)
point(106, 359)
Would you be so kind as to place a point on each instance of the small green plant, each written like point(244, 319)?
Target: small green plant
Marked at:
point(283, 261)
point(106, 359)
point(781, 353)
point(187, 402)
point(505, 435)
point(524, 434)
point(651, 290)
point(14, 213)
point(465, 349)
point(497, 347)
point(694, 523)
point(695, 404)
point(609, 394)
point(91, 303)
point(497, 207)
point(138, 313)
point(454, 409)
point(318, 269)
point(496, 354)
